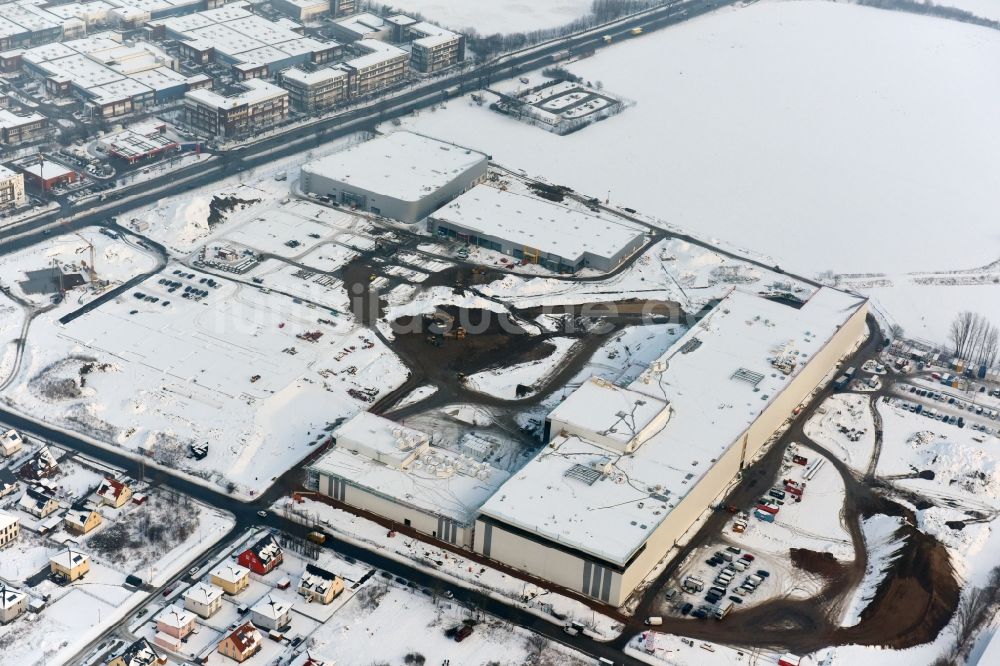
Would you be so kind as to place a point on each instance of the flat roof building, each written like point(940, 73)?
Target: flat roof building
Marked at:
point(303, 10)
point(11, 190)
point(316, 90)
point(533, 230)
point(390, 470)
point(403, 176)
point(16, 128)
point(378, 66)
point(249, 107)
point(595, 517)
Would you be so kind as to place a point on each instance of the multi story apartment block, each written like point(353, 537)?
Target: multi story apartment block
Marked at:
point(15, 129)
point(317, 90)
point(11, 188)
point(381, 65)
point(249, 107)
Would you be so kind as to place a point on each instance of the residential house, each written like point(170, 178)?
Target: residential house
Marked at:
point(81, 519)
point(8, 482)
point(271, 614)
point(320, 585)
point(243, 643)
point(10, 443)
point(175, 621)
point(140, 653)
point(37, 503)
point(41, 465)
point(231, 577)
point(10, 528)
point(113, 493)
point(12, 603)
point(262, 557)
point(204, 599)
point(70, 563)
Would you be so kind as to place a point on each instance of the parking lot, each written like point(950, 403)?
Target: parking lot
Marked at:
point(946, 405)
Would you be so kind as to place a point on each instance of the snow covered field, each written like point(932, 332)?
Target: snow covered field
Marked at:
point(848, 157)
point(488, 17)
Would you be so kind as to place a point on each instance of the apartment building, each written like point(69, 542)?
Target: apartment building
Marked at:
point(251, 106)
point(314, 91)
point(381, 65)
point(10, 528)
point(15, 129)
point(11, 189)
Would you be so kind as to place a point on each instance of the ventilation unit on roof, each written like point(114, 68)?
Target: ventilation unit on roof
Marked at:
point(690, 345)
point(748, 376)
point(583, 473)
point(659, 497)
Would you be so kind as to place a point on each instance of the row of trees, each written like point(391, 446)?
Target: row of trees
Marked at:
point(974, 338)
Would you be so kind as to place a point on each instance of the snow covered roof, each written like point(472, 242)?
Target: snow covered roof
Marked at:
point(533, 222)
point(271, 609)
point(47, 170)
point(376, 53)
point(402, 165)
point(111, 488)
point(6, 173)
point(175, 616)
point(9, 119)
point(266, 549)
point(317, 579)
point(10, 437)
point(594, 499)
point(321, 75)
point(34, 499)
point(69, 559)
point(245, 637)
point(610, 415)
point(203, 593)
point(9, 597)
point(230, 573)
point(140, 653)
point(6, 520)
point(385, 458)
point(254, 91)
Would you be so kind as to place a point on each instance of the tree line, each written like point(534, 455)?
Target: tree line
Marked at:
point(974, 338)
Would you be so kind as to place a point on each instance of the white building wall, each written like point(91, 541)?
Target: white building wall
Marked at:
point(561, 568)
point(438, 527)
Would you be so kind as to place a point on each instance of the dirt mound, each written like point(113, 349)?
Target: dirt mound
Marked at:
point(820, 564)
point(915, 601)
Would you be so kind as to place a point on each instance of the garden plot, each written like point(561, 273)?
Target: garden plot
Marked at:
point(505, 382)
point(561, 106)
point(255, 374)
point(844, 426)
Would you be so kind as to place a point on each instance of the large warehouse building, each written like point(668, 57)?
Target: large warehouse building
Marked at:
point(403, 176)
point(628, 471)
point(533, 230)
point(382, 467)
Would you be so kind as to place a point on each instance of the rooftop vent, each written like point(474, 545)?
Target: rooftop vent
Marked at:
point(583, 473)
point(748, 376)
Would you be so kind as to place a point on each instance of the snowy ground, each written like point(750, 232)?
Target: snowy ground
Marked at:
point(462, 571)
point(843, 425)
point(382, 618)
point(751, 163)
point(503, 382)
point(506, 16)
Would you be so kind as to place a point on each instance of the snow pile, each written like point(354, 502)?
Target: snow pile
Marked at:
point(503, 382)
point(489, 17)
point(883, 545)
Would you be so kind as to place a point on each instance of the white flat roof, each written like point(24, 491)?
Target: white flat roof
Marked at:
point(6, 173)
point(402, 165)
point(527, 220)
point(604, 409)
point(9, 119)
point(707, 376)
point(47, 169)
point(257, 91)
point(321, 75)
point(369, 455)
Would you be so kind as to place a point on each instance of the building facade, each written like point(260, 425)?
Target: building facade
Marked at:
point(10, 529)
point(379, 66)
point(204, 599)
point(231, 577)
point(15, 129)
point(12, 603)
point(11, 196)
point(315, 91)
point(421, 175)
point(253, 106)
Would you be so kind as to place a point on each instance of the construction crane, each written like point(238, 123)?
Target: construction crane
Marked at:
point(91, 267)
